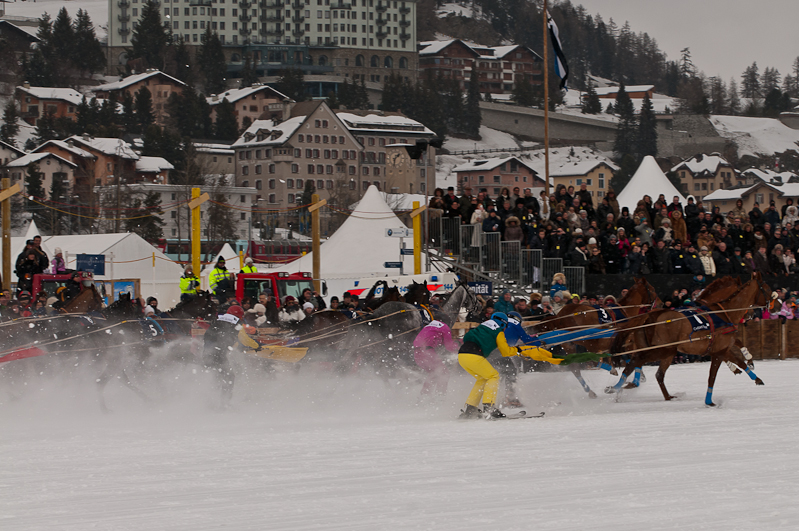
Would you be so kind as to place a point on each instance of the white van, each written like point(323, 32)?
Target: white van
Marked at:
point(436, 283)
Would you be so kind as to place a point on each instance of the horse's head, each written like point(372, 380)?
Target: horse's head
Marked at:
point(763, 294)
point(641, 293)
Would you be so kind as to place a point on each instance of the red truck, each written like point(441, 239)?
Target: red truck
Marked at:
point(50, 283)
point(280, 284)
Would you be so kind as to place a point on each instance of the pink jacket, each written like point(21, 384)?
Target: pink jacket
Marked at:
point(434, 335)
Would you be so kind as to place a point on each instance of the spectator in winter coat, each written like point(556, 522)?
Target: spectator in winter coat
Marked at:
point(708, 265)
point(723, 261)
point(492, 223)
point(513, 231)
point(596, 264)
point(739, 263)
point(705, 239)
point(761, 261)
point(771, 215)
point(625, 221)
point(791, 216)
point(623, 243)
point(679, 262)
point(692, 261)
point(634, 261)
point(579, 256)
point(612, 255)
point(775, 261)
point(662, 214)
point(558, 284)
point(558, 243)
point(644, 231)
point(678, 226)
point(664, 233)
point(737, 213)
point(660, 259)
point(58, 266)
point(675, 205)
point(505, 303)
point(291, 311)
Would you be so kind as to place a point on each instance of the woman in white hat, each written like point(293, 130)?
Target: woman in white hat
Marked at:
point(58, 266)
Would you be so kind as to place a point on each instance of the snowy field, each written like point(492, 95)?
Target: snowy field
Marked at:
point(757, 136)
point(301, 451)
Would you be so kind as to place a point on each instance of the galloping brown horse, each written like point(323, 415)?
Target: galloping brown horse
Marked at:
point(641, 297)
point(88, 300)
point(672, 332)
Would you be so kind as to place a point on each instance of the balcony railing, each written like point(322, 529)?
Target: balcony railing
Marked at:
point(381, 7)
point(405, 36)
point(245, 4)
point(123, 17)
point(405, 23)
point(298, 33)
point(405, 10)
point(340, 5)
point(245, 17)
point(381, 21)
point(276, 17)
point(298, 20)
point(124, 31)
point(124, 4)
point(382, 34)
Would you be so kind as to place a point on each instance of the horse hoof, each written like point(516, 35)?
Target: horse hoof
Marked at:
point(737, 372)
point(630, 385)
point(610, 390)
point(711, 404)
point(759, 382)
point(614, 372)
point(591, 394)
point(670, 397)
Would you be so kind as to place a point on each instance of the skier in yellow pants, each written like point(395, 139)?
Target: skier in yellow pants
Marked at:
point(478, 343)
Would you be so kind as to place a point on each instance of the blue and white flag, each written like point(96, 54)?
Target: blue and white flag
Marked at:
point(561, 67)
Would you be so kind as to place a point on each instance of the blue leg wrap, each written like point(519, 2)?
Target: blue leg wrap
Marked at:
point(585, 385)
point(709, 396)
point(621, 382)
point(637, 378)
point(751, 373)
point(605, 366)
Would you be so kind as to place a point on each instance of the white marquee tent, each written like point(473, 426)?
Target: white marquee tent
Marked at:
point(359, 248)
point(649, 180)
point(128, 257)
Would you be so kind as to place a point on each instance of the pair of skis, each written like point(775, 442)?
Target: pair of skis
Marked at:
point(520, 415)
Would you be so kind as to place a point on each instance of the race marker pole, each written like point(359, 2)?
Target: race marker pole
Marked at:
point(194, 205)
point(417, 237)
point(316, 204)
point(241, 259)
point(5, 204)
point(153, 293)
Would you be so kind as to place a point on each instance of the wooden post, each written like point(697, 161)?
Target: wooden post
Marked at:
point(315, 233)
point(546, 101)
point(196, 201)
point(6, 206)
point(417, 236)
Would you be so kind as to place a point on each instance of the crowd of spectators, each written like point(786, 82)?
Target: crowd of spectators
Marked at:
point(659, 236)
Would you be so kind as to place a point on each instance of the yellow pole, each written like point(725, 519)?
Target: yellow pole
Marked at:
point(417, 242)
point(315, 232)
point(6, 206)
point(241, 260)
point(195, 233)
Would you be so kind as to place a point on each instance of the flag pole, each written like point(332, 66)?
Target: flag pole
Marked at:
point(546, 104)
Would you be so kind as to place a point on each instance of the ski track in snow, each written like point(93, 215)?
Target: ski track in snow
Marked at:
point(304, 451)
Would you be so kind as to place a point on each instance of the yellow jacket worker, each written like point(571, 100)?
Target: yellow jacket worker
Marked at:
point(478, 343)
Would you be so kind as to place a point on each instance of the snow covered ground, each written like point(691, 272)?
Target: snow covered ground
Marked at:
point(757, 136)
point(309, 451)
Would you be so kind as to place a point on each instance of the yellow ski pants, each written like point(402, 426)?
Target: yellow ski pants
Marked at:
point(487, 379)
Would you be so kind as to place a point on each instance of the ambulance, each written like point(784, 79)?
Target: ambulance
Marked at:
point(437, 283)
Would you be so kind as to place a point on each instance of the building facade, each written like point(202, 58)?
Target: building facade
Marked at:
point(34, 102)
point(51, 167)
point(492, 175)
point(702, 174)
point(160, 85)
point(596, 176)
point(258, 102)
point(319, 36)
point(341, 154)
point(499, 68)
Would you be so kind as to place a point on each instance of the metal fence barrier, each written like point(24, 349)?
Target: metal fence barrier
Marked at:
point(510, 269)
point(491, 251)
point(470, 244)
point(550, 266)
point(530, 264)
point(575, 279)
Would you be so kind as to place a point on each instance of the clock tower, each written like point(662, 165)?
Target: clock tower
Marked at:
point(401, 172)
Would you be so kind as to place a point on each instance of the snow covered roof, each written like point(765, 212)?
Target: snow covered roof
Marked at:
point(132, 80)
point(15, 149)
point(28, 32)
point(757, 136)
point(581, 167)
point(769, 176)
point(50, 93)
point(224, 149)
point(359, 247)
point(234, 95)
point(108, 146)
point(728, 194)
point(66, 146)
point(649, 180)
point(153, 165)
point(607, 91)
point(434, 47)
point(699, 164)
point(489, 164)
point(265, 133)
point(30, 158)
point(382, 123)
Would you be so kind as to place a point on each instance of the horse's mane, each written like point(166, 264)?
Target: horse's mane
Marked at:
point(719, 283)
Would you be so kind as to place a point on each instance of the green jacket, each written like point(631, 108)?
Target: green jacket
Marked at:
point(489, 336)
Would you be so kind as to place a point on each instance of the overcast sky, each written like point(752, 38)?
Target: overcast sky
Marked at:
point(725, 36)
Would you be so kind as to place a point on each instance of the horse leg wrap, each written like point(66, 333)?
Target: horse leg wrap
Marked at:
point(605, 366)
point(621, 382)
point(637, 378)
point(584, 384)
point(746, 353)
point(751, 373)
point(709, 396)
point(732, 366)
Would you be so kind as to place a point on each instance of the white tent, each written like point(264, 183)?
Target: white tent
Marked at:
point(359, 248)
point(649, 180)
point(128, 259)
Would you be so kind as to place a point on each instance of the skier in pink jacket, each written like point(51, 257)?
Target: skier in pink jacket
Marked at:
point(430, 338)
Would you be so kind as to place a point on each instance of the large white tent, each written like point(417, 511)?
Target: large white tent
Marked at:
point(649, 180)
point(359, 248)
point(128, 260)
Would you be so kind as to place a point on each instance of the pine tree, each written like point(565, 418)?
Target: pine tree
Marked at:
point(10, 127)
point(246, 122)
point(453, 105)
point(248, 73)
point(38, 70)
point(45, 129)
point(34, 188)
point(63, 44)
point(361, 96)
point(145, 220)
point(144, 108)
point(687, 68)
point(627, 126)
point(647, 141)
point(211, 59)
point(750, 82)
point(391, 98)
point(770, 80)
point(220, 222)
point(182, 58)
point(128, 112)
point(88, 53)
point(718, 96)
point(472, 116)
point(627, 167)
point(149, 39)
point(525, 95)
point(226, 126)
point(591, 103)
point(734, 105)
point(54, 218)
